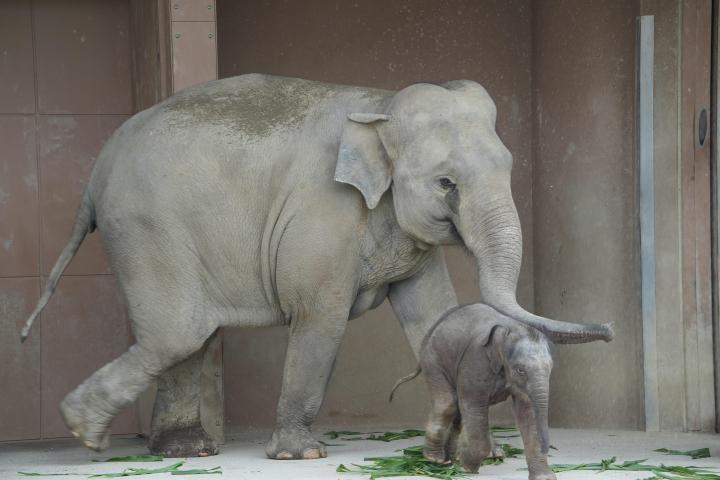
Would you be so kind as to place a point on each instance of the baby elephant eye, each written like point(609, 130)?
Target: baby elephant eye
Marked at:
point(447, 184)
point(520, 372)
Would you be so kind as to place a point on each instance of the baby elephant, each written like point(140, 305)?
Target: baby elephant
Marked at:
point(475, 357)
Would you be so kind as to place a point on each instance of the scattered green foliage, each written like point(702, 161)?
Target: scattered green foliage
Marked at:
point(694, 454)
point(510, 451)
point(503, 428)
point(133, 458)
point(173, 469)
point(412, 462)
point(660, 472)
point(197, 471)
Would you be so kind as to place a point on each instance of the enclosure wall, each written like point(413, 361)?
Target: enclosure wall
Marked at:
point(65, 86)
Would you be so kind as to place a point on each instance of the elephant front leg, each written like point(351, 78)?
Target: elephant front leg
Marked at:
point(187, 415)
point(535, 457)
point(310, 357)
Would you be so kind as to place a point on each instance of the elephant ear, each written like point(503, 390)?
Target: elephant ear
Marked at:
point(362, 161)
point(493, 339)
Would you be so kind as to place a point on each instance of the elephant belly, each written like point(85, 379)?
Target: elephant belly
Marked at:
point(367, 300)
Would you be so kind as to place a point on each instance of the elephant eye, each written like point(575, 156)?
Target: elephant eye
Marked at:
point(447, 184)
point(520, 372)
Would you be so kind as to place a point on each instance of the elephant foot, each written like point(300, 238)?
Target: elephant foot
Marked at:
point(177, 442)
point(294, 445)
point(90, 428)
point(435, 455)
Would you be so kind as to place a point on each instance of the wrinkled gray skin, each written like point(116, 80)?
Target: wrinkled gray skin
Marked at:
point(476, 357)
point(260, 200)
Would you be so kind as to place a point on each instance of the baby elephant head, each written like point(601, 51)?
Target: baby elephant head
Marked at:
point(524, 355)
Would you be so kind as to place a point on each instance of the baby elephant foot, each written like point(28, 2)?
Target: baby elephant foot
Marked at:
point(546, 475)
point(435, 455)
point(471, 461)
point(293, 445)
point(497, 452)
point(178, 442)
point(90, 428)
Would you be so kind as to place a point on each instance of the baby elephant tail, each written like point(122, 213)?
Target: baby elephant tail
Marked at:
point(404, 379)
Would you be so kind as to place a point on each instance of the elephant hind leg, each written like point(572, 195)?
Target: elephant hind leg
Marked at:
point(187, 406)
point(90, 408)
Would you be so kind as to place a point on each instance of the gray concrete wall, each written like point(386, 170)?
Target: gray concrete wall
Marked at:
point(389, 45)
point(584, 205)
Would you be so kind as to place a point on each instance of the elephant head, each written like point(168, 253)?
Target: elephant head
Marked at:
point(436, 148)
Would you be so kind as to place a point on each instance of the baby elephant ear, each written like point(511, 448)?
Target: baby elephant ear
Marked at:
point(493, 342)
point(362, 161)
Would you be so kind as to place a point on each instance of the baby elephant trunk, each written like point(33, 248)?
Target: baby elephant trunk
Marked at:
point(538, 394)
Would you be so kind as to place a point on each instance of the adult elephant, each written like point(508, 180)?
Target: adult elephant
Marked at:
point(260, 200)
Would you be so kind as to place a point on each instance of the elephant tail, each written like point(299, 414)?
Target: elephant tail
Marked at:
point(84, 224)
point(404, 379)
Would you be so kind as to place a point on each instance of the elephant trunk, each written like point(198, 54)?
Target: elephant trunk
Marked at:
point(490, 228)
point(538, 394)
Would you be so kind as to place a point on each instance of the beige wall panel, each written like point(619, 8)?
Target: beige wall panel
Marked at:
point(194, 51)
point(192, 10)
point(668, 290)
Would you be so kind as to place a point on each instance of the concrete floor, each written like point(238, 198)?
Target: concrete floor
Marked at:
point(243, 458)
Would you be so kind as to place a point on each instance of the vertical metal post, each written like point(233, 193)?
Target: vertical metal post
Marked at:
point(645, 56)
point(715, 188)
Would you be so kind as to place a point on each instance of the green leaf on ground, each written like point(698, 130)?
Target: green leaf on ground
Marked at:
point(173, 469)
point(198, 471)
point(132, 458)
point(503, 428)
point(510, 451)
point(412, 463)
point(664, 472)
point(694, 454)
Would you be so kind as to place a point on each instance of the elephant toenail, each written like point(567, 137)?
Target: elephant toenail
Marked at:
point(284, 456)
point(311, 453)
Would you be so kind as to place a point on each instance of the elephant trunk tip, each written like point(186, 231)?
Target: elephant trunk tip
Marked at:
point(609, 331)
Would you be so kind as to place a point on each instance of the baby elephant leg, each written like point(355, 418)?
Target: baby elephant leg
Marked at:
point(535, 457)
point(475, 442)
point(442, 414)
point(452, 441)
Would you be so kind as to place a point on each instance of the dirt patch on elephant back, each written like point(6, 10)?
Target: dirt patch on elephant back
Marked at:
point(254, 105)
